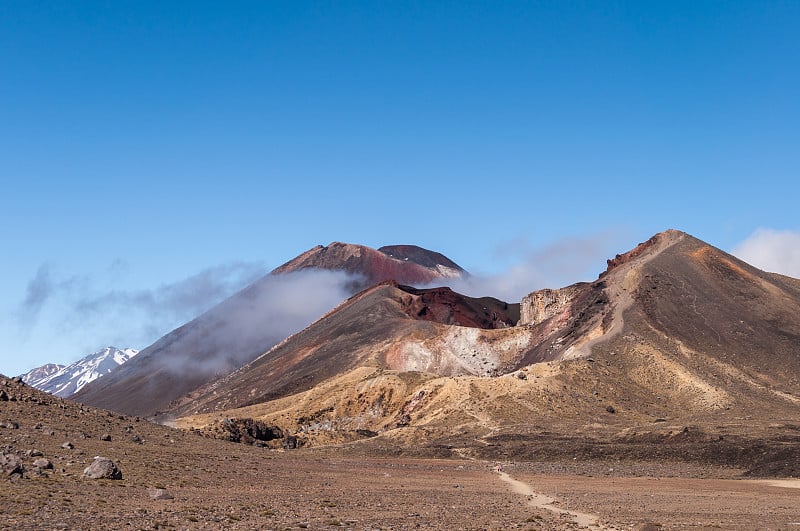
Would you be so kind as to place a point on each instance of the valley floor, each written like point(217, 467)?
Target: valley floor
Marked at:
point(250, 488)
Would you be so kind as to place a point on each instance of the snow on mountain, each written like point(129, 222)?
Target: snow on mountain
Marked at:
point(35, 376)
point(65, 381)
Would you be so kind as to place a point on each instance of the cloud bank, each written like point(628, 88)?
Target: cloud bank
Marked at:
point(252, 321)
point(555, 265)
point(776, 251)
point(73, 308)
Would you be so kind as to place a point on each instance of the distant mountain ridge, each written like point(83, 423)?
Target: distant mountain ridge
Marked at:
point(64, 381)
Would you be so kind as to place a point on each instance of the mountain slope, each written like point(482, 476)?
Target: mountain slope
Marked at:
point(252, 321)
point(674, 334)
point(380, 327)
point(68, 380)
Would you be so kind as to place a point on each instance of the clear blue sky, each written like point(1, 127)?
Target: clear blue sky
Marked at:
point(145, 143)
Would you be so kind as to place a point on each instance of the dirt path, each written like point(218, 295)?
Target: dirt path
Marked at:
point(540, 501)
point(784, 483)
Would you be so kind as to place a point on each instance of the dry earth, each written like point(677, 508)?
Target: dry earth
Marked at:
point(219, 485)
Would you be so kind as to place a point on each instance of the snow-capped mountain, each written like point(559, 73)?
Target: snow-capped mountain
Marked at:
point(34, 377)
point(65, 381)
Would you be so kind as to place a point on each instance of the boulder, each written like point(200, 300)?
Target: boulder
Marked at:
point(102, 468)
point(11, 464)
point(43, 463)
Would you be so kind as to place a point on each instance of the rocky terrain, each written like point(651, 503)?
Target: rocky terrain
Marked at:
point(164, 478)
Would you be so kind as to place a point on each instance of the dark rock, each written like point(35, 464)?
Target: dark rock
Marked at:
point(105, 437)
point(136, 439)
point(102, 468)
point(290, 442)
point(611, 409)
point(248, 431)
point(3, 396)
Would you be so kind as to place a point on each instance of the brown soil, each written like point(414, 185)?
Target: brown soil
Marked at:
point(217, 485)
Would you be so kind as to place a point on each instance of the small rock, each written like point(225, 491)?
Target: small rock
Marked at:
point(3, 396)
point(67, 446)
point(611, 409)
point(105, 437)
point(522, 376)
point(159, 494)
point(36, 453)
point(43, 463)
point(11, 464)
point(102, 468)
point(136, 439)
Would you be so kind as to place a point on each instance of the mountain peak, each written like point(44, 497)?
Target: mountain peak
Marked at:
point(405, 264)
point(64, 381)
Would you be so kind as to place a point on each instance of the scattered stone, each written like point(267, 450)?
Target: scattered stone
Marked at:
point(521, 375)
point(290, 442)
point(159, 494)
point(68, 446)
point(105, 437)
point(11, 464)
point(43, 464)
point(136, 439)
point(102, 468)
point(611, 409)
point(11, 425)
point(3, 396)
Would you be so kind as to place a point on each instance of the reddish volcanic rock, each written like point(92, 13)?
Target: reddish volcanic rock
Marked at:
point(625, 258)
point(404, 264)
point(445, 306)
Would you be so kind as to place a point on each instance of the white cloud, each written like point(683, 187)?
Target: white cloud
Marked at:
point(555, 265)
point(777, 251)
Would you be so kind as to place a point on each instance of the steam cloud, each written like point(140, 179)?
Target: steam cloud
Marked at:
point(553, 266)
point(252, 321)
point(135, 316)
point(772, 250)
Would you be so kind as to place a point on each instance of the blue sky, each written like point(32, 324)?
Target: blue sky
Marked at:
point(148, 148)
